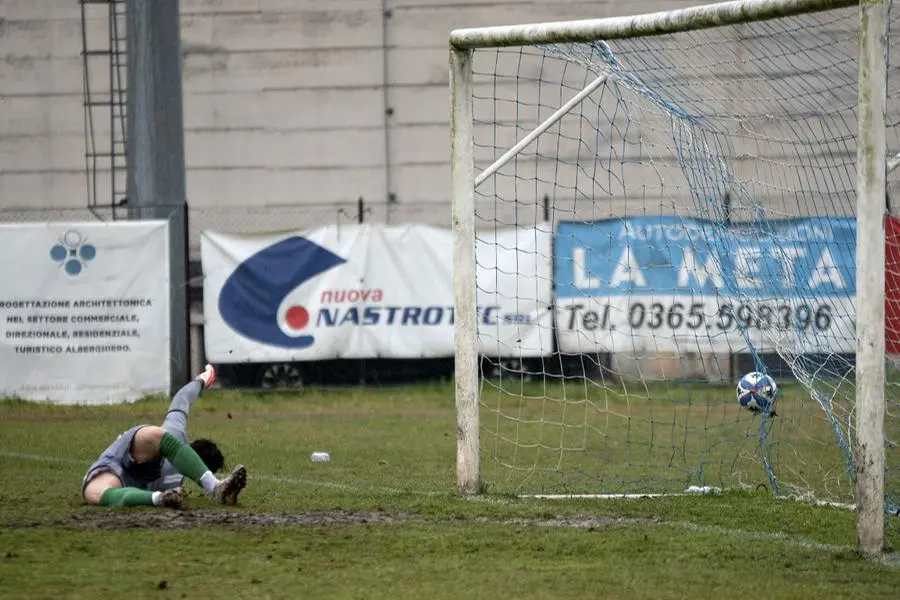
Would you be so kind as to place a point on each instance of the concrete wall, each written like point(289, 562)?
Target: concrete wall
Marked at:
point(294, 109)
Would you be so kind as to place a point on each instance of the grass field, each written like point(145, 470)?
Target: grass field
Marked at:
point(381, 519)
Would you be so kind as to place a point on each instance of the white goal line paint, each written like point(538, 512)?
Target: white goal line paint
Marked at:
point(822, 503)
point(342, 486)
point(252, 474)
point(43, 458)
point(401, 491)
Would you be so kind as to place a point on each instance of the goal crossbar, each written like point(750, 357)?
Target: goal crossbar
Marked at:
point(673, 21)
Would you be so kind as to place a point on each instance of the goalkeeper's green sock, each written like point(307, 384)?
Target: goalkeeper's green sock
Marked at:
point(129, 496)
point(187, 462)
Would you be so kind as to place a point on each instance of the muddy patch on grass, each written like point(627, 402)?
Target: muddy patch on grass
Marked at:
point(184, 519)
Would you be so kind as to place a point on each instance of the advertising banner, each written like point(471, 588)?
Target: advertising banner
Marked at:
point(515, 291)
point(671, 284)
point(368, 292)
point(84, 311)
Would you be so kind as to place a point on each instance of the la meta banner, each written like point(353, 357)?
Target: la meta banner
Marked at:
point(84, 311)
point(671, 284)
point(371, 291)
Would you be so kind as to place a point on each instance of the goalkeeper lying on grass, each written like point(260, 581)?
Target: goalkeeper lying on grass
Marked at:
point(145, 465)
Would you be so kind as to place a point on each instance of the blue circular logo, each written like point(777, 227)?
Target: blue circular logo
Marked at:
point(72, 253)
point(73, 267)
point(87, 252)
point(58, 253)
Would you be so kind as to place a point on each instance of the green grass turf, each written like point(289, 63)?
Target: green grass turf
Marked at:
point(381, 520)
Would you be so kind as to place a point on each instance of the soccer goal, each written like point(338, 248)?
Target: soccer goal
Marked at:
point(714, 183)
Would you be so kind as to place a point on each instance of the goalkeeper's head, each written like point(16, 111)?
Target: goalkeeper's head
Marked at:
point(209, 452)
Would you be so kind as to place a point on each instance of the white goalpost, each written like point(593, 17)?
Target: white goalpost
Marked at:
point(713, 182)
point(871, 187)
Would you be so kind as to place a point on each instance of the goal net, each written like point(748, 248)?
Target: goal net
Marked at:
point(699, 190)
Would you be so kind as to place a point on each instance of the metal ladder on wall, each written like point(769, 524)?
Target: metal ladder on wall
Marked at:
point(105, 92)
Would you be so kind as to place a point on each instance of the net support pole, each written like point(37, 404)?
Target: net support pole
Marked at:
point(870, 236)
point(462, 176)
point(540, 129)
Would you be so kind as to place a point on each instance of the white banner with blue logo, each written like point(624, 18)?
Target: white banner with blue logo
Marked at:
point(369, 291)
point(84, 311)
point(671, 284)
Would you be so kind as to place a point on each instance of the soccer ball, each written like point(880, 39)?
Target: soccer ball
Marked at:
point(757, 392)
